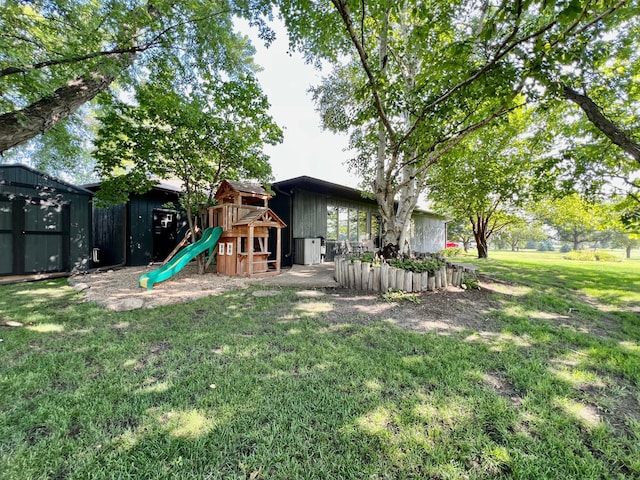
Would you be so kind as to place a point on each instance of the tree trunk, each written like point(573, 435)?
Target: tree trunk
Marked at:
point(480, 234)
point(628, 251)
point(483, 248)
point(22, 125)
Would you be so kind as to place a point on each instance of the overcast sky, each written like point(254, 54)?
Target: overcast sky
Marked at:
point(307, 149)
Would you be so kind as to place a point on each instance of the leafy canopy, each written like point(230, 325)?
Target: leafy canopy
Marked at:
point(49, 45)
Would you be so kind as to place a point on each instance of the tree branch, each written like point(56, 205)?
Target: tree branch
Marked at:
point(106, 53)
point(602, 123)
point(20, 126)
point(343, 9)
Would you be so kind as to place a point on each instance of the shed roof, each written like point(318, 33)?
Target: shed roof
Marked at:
point(162, 187)
point(16, 175)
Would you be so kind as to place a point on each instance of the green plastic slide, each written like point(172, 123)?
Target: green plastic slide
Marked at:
point(208, 241)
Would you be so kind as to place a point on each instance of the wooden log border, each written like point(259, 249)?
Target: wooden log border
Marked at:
point(359, 275)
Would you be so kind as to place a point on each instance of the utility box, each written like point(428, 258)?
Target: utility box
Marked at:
point(307, 250)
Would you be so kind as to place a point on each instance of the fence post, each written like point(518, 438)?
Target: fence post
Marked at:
point(384, 277)
point(365, 266)
point(431, 281)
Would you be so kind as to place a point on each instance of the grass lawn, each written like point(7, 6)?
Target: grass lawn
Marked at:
point(244, 387)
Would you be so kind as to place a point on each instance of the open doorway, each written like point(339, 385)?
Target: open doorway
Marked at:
point(165, 233)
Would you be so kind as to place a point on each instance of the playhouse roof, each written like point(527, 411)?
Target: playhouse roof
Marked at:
point(262, 217)
point(241, 187)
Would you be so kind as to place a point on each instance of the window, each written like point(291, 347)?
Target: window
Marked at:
point(332, 223)
point(343, 223)
point(353, 225)
point(348, 224)
point(363, 231)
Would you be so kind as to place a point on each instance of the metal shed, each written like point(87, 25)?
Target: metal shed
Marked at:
point(45, 223)
point(143, 230)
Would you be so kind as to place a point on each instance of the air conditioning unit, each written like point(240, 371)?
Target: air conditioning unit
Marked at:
point(307, 251)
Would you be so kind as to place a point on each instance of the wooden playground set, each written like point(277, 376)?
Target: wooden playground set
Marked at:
point(236, 231)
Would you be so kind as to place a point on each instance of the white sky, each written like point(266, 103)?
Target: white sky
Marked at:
point(307, 149)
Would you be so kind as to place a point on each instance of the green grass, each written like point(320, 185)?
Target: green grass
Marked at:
point(239, 386)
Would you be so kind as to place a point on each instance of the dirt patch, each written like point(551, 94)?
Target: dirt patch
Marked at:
point(118, 289)
point(445, 311)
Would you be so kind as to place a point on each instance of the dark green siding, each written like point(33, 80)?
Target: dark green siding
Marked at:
point(124, 233)
point(109, 235)
point(309, 215)
point(45, 223)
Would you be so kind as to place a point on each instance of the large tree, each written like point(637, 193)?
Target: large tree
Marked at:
point(575, 219)
point(413, 79)
point(59, 55)
point(198, 136)
point(491, 174)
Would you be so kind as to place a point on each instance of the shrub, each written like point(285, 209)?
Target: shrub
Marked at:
point(370, 257)
point(591, 256)
point(580, 255)
point(565, 248)
point(607, 257)
point(426, 265)
point(451, 252)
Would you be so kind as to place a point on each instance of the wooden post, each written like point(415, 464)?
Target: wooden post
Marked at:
point(366, 266)
point(278, 253)
point(384, 277)
point(357, 269)
point(250, 252)
point(344, 271)
point(352, 282)
point(446, 277)
point(392, 278)
point(399, 279)
point(424, 281)
point(375, 283)
point(408, 281)
point(431, 282)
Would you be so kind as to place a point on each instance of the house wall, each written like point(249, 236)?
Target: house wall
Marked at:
point(45, 225)
point(429, 234)
point(306, 212)
point(309, 215)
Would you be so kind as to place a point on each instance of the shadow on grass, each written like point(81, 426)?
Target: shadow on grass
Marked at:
point(303, 387)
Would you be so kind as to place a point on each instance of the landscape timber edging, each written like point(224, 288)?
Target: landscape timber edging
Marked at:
point(360, 275)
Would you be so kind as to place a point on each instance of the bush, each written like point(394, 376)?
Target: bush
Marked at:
point(426, 265)
point(607, 257)
point(370, 257)
point(566, 248)
point(591, 256)
point(451, 252)
point(580, 255)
